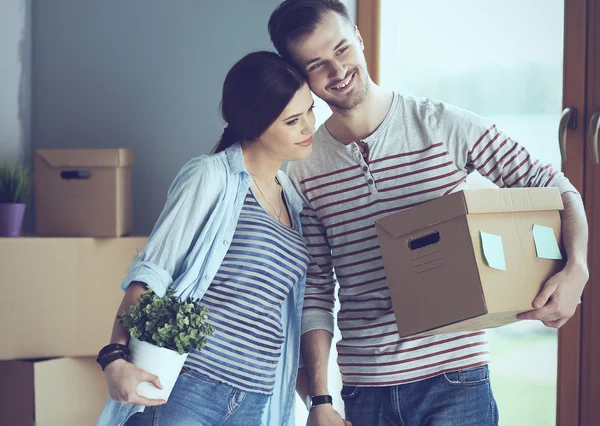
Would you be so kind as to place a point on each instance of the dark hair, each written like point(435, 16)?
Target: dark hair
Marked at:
point(293, 19)
point(256, 91)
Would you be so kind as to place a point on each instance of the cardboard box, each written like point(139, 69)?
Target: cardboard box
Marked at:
point(83, 192)
point(56, 392)
point(60, 296)
point(439, 276)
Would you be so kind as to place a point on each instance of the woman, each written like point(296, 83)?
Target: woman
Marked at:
point(230, 235)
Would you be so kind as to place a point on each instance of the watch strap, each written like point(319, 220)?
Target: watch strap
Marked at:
point(321, 399)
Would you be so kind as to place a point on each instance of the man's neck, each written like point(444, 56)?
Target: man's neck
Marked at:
point(360, 122)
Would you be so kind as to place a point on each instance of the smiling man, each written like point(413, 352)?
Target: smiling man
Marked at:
point(381, 152)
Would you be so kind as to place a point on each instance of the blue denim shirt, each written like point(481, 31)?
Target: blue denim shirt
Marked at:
point(186, 248)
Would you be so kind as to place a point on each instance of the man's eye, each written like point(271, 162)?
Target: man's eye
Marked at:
point(342, 50)
point(315, 66)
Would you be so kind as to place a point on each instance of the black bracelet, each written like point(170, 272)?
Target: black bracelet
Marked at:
point(113, 347)
point(107, 359)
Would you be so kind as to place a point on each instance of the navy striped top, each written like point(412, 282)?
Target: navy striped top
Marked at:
point(264, 261)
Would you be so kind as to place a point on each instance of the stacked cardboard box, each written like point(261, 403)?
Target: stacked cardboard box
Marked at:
point(60, 294)
point(83, 193)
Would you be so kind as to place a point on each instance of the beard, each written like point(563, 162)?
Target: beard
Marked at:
point(355, 97)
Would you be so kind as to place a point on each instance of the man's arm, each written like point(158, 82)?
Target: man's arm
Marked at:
point(561, 294)
point(574, 230)
point(481, 146)
point(316, 346)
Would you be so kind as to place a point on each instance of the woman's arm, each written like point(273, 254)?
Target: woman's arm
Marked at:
point(131, 297)
point(122, 377)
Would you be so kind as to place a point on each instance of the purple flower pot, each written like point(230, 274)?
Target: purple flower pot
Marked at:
point(11, 219)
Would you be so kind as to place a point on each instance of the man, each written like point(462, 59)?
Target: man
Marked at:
point(379, 153)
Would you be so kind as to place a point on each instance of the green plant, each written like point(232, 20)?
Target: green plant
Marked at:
point(14, 183)
point(168, 322)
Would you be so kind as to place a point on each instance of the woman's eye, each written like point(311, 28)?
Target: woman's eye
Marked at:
point(292, 122)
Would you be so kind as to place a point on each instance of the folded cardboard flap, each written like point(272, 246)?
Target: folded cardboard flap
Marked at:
point(82, 158)
point(478, 201)
point(423, 215)
point(514, 200)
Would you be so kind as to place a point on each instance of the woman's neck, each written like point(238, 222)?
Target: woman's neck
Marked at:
point(260, 164)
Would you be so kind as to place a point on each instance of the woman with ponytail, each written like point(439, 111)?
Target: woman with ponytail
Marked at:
point(230, 235)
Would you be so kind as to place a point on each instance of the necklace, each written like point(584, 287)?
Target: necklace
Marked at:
point(267, 200)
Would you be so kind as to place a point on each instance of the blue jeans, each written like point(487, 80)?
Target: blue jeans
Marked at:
point(197, 400)
point(458, 398)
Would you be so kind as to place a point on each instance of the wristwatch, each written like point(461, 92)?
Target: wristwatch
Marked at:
point(312, 401)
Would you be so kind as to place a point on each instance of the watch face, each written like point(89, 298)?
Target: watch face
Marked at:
point(308, 402)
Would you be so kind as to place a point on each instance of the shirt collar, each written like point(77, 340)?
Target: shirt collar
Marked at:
point(236, 165)
point(236, 159)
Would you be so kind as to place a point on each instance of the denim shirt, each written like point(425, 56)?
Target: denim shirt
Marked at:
point(186, 248)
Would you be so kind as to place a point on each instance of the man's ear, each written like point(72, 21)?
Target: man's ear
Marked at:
point(359, 38)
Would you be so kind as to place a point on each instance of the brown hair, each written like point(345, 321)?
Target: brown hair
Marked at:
point(293, 19)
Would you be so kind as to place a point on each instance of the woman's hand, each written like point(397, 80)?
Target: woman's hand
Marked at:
point(123, 379)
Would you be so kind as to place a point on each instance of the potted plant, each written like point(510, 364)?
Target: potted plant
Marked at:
point(164, 330)
point(14, 189)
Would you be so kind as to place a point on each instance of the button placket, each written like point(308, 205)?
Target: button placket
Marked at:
point(369, 180)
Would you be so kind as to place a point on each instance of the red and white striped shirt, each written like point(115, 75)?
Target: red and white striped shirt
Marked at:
point(422, 150)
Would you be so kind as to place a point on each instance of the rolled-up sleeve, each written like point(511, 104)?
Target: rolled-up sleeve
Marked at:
point(190, 200)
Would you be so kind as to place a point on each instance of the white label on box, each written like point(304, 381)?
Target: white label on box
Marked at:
point(546, 245)
point(493, 251)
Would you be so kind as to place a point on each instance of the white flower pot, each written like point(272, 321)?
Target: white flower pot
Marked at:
point(164, 363)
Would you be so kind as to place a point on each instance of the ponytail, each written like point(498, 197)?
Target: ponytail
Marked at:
point(228, 138)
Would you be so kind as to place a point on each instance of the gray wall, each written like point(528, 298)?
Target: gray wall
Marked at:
point(145, 74)
point(15, 87)
point(15, 80)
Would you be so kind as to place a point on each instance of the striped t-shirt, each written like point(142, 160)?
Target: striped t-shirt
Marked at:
point(422, 150)
point(264, 261)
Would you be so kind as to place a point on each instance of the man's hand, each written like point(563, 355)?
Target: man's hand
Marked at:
point(559, 298)
point(325, 415)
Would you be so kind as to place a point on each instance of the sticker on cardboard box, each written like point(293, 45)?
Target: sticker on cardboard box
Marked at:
point(493, 251)
point(546, 245)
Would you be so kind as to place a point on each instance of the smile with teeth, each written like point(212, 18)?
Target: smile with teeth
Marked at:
point(344, 83)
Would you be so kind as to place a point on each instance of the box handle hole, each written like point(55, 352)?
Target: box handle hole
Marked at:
point(75, 174)
point(424, 241)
